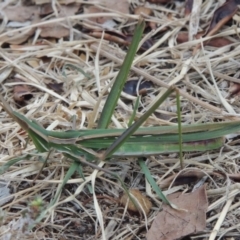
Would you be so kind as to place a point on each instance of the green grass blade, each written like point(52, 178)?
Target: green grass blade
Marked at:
point(150, 179)
point(80, 171)
point(179, 129)
point(127, 192)
point(70, 172)
point(127, 134)
point(68, 175)
point(44, 165)
point(134, 111)
point(121, 78)
point(13, 161)
point(76, 68)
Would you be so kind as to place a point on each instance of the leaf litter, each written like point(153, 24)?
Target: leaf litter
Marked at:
point(171, 224)
point(39, 38)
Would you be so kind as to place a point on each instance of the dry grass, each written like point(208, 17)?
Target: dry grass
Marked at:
point(204, 80)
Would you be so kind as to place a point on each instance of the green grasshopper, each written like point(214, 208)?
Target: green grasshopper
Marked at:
point(144, 142)
point(102, 143)
point(85, 146)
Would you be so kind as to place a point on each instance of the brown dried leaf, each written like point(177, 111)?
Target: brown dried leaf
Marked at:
point(182, 37)
point(30, 47)
point(94, 9)
point(27, 2)
point(215, 42)
point(144, 11)
point(21, 93)
point(21, 13)
point(222, 15)
point(145, 46)
point(120, 6)
point(33, 63)
point(32, 13)
point(116, 5)
point(219, 42)
point(141, 10)
point(46, 9)
point(18, 37)
point(57, 30)
point(235, 177)
point(119, 38)
point(153, 25)
point(111, 36)
point(171, 224)
point(188, 7)
point(234, 89)
point(144, 202)
point(56, 87)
